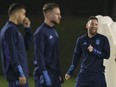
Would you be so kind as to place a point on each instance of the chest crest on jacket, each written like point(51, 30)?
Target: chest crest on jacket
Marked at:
point(97, 41)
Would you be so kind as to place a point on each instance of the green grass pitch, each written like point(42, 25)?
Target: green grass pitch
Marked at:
point(69, 83)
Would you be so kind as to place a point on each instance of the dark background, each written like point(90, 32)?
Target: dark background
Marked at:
point(74, 17)
point(68, 7)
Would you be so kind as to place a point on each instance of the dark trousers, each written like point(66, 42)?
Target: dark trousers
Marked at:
point(16, 84)
point(54, 76)
point(91, 80)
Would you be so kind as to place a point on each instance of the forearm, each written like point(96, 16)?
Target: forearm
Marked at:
point(28, 38)
point(101, 54)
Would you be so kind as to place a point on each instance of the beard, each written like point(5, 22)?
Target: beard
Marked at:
point(93, 31)
point(55, 22)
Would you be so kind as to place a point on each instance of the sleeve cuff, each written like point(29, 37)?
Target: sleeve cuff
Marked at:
point(20, 70)
point(70, 70)
point(96, 51)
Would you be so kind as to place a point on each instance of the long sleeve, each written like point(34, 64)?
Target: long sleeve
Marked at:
point(39, 42)
point(28, 38)
point(105, 52)
point(76, 57)
point(11, 38)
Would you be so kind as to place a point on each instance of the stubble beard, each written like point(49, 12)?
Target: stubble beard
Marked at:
point(93, 32)
point(55, 22)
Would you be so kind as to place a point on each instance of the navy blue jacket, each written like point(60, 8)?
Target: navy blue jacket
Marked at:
point(92, 62)
point(46, 50)
point(14, 47)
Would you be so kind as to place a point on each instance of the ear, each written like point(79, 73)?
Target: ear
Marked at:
point(47, 14)
point(17, 14)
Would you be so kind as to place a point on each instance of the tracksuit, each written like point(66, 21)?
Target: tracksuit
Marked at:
point(14, 59)
point(46, 57)
point(92, 69)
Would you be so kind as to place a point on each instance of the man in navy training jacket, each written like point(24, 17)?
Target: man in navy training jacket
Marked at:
point(46, 51)
point(14, 46)
point(93, 48)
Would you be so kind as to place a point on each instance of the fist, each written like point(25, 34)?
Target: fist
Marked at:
point(67, 77)
point(22, 80)
point(90, 48)
point(26, 22)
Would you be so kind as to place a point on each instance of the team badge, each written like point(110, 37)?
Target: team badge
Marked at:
point(97, 41)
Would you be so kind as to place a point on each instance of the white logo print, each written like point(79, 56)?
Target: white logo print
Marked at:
point(50, 37)
point(85, 43)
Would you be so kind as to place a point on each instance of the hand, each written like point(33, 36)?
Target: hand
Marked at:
point(67, 77)
point(90, 48)
point(22, 80)
point(26, 22)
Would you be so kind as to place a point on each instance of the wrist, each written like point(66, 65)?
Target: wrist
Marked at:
point(20, 71)
point(70, 70)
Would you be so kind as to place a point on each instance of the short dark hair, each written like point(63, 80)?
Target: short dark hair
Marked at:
point(14, 7)
point(50, 6)
point(92, 18)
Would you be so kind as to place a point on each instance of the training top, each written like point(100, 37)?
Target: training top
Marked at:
point(14, 47)
point(46, 49)
point(92, 62)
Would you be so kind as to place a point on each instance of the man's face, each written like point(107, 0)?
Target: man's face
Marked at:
point(54, 16)
point(92, 26)
point(21, 16)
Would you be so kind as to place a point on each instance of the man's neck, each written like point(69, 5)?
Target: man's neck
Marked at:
point(90, 35)
point(12, 19)
point(49, 23)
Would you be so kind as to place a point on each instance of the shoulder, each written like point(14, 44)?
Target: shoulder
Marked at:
point(40, 30)
point(9, 28)
point(102, 36)
point(82, 37)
